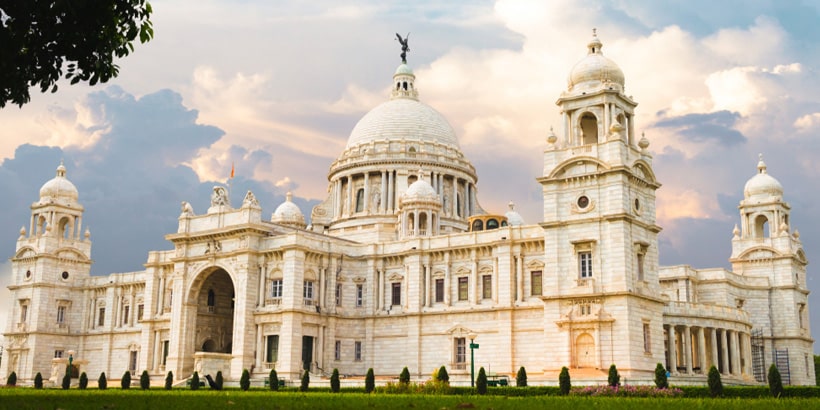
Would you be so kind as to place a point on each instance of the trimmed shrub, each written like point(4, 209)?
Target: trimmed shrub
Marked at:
point(66, 381)
point(564, 383)
point(661, 381)
point(12, 379)
point(218, 381)
point(38, 381)
point(169, 380)
point(273, 380)
point(404, 377)
point(481, 381)
point(305, 382)
point(83, 381)
point(145, 380)
point(369, 381)
point(775, 382)
point(195, 381)
point(125, 382)
point(715, 385)
point(614, 379)
point(334, 381)
point(521, 377)
point(102, 382)
point(442, 374)
point(245, 380)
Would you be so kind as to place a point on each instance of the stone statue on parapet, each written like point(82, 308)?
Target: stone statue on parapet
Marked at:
point(404, 47)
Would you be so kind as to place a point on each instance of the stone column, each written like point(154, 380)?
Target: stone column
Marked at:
point(687, 341)
point(262, 275)
point(724, 350)
point(455, 197)
point(383, 204)
point(351, 202)
point(391, 189)
point(519, 278)
point(366, 204)
point(735, 353)
point(467, 203)
point(673, 354)
point(702, 350)
point(713, 337)
point(747, 349)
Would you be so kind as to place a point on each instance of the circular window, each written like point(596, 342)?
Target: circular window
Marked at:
point(637, 204)
point(28, 274)
point(65, 275)
point(583, 202)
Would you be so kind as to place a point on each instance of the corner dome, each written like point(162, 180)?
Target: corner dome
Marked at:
point(513, 217)
point(420, 189)
point(595, 70)
point(403, 119)
point(288, 213)
point(59, 187)
point(762, 185)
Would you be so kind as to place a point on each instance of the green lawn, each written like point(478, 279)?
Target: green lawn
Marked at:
point(112, 399)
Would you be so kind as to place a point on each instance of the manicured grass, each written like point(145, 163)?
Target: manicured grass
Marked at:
point(116, 399)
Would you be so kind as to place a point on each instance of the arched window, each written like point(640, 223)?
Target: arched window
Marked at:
point(589, 128)
point(65, 228)
point(492, 224)
point(360, 200)
point(404, 84)
point(423, 223)
point(761, 227)
point(478, 225)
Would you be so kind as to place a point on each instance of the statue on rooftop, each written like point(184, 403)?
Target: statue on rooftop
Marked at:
point(404, 47)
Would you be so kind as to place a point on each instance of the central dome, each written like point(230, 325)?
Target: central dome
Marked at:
point(403, 118)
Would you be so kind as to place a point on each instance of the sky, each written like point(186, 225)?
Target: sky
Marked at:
point(276, 87)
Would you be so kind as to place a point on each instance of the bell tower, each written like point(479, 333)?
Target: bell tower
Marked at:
point(599, 226)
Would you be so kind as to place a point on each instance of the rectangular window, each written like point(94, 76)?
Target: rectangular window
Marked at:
point(647, 342)
point(585, 264)
point(58, 354)
point(308, 292)
point(357, 351)
point(132, 363)
point(439, 290)
point(140, 311)
point(535, 283)
point(337, 351)
point(166, 346)
point(276, 288)
point(272, 351)
point(395, 299)
point(461, 352)
point(23, 313)
point(101, 317)
point(487, 287)
point(640, 266)
point(359, 295)
point(338, 294)
point(61, 314)
point(463, 286)
point(125, 311)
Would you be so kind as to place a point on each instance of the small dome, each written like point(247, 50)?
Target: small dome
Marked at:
point(595, 70)
point(762, 185)
point(403, 69)
point(513, 217)
point(288, 213)
point(420, 189)
point(59, 187)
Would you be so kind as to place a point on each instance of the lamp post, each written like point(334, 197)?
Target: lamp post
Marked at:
point(70, 361)
point(473, 346)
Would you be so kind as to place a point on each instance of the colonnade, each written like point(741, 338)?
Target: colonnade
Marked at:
point(694, 349)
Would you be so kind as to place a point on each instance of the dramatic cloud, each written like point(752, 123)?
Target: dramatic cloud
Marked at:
point(712, 127)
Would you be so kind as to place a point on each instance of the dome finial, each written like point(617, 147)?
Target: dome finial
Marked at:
point(404, 47)
point(289, 196)
point(761, 166)
point(595, 44)
point(61, 169)
point(511, 205)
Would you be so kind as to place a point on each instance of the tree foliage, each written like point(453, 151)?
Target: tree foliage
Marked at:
point(305, 382)
point(273, 380)
point(218, 381)
point(145, 380)
point(66, 379)
point(521, 377)
point(169, 380)
point(564, 383)
point(442, 375)
point(661, 381)
point(125, 382)
point(11, 381)
point(715, 385)
point(83, 381)
point(775, 382)
point(102, 382)
point(369, 381)
point(614, 379)
point(404, 377)
point(38, 381)
point(245, 380)
point(334, 381)
point(481, 381)
point(195, 381)
point(41, 38)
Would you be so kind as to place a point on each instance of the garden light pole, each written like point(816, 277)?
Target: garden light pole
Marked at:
point(473, 346)
point(70, 361)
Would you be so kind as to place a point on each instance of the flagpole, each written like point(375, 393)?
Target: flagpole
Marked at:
point(230, 182)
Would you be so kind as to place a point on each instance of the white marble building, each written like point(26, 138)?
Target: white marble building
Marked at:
point(401, 266)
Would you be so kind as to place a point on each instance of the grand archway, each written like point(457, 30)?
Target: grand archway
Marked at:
point(214, 313)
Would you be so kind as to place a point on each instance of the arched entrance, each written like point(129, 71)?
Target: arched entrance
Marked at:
point(585, 351)
point(214, 313)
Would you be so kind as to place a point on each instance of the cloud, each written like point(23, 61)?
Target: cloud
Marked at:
point(714, 127)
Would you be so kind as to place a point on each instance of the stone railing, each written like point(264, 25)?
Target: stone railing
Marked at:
point(704, 311)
